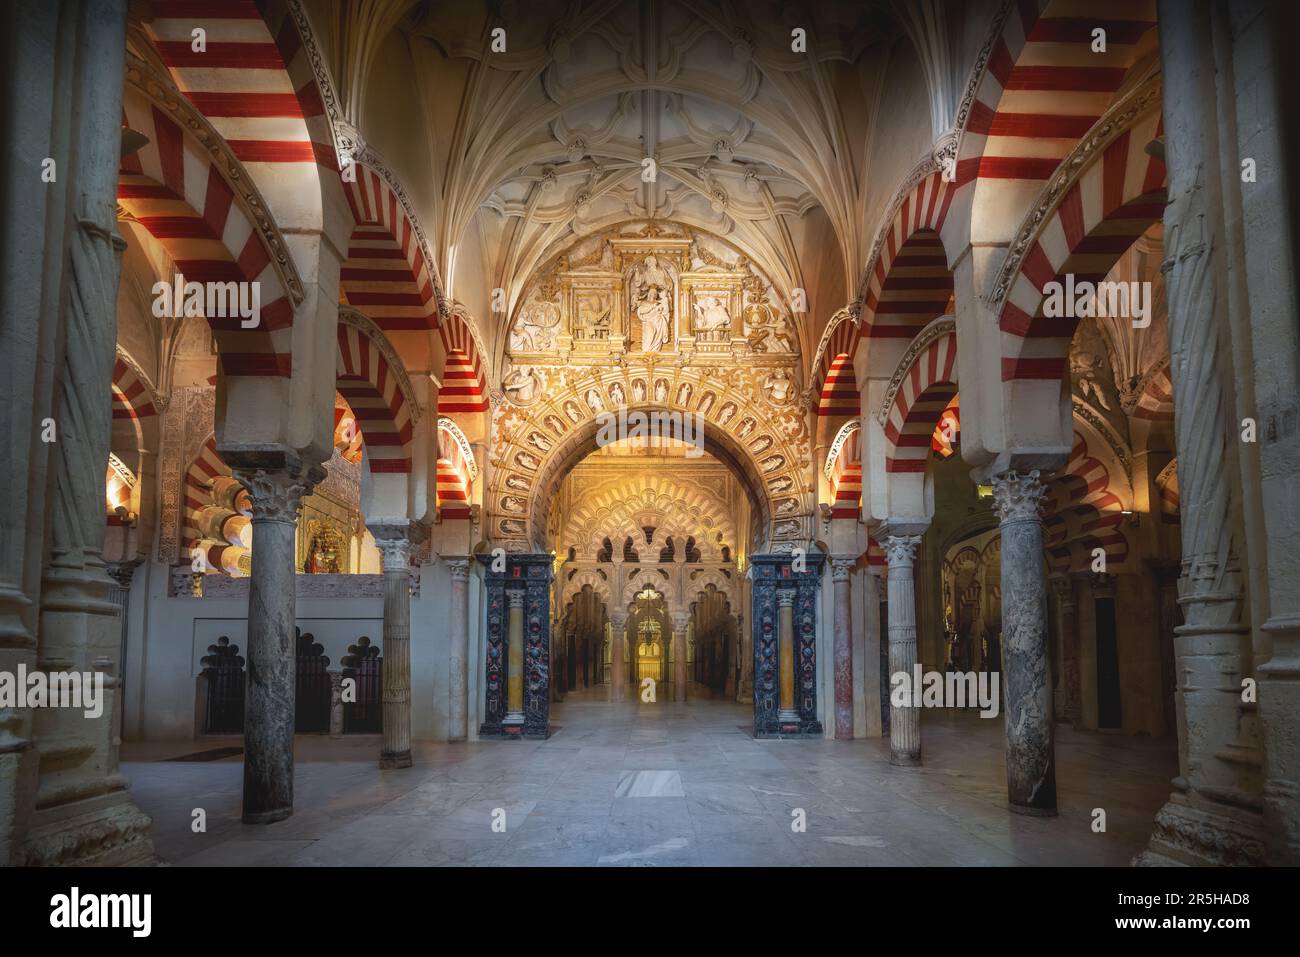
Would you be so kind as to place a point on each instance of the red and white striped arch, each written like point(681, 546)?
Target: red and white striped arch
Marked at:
point(206, 466)
point(455, 472)
point(256, 85)
point(1043, 88)
point(119, 485)
point(1084, 513)
point(926, 390)
point(909, 283)
point(1112, 202)
point(1156, 403)
point(387, 275)
point(379, 406)
point(132, 397)
point(947, 429)
point(178, 194)
point(839, 339)
point(845, 472)
point(839, 393)
point(464, 386)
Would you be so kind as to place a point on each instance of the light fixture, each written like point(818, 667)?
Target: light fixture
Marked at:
point(1130, 516)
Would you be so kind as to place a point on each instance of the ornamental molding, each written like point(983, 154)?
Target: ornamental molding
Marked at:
point(1087, 413)
point(920, 171)
point(937, 329)
point(466, 451)
point(349, 316)
point(1119, 119)
point(164, 94)
point(850, 313)
point(832, 455)
point(157, 398)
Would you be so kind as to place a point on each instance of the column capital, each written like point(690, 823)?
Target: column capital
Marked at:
point(122, 572)
point(618, 620)
point(842, 568)
point(275, 494)
point(459, 568)
point(515, 597)
point(681, 620)
point(1018, 496)
point(900, 549)
point(785, 598)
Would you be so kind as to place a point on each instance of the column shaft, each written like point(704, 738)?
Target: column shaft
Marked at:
point(458, 670)
point(904, 720)
point(515, 658)
point(617, 640)
point(785, 657)
point(396, 549)
point(841, 569)
point(680, 674)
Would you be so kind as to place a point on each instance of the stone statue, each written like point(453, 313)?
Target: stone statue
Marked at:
point(712, 321)
point(650, 288)
point(522, 384)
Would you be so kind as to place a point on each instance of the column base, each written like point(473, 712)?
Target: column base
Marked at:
point(267, 817)
point(1190, 832)
point(905, 759)
point(394, 760)
point(105, 831)
point(1032, 811)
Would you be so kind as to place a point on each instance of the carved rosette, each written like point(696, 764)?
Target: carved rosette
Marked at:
point(275, 495)
point(1018, 496)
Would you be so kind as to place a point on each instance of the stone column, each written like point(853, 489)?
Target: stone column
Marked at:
point(515, 657)
point(617, 641)
point(905, 721)
point(458, 670)
point(681, 621)
point(786, 711)
point(394, 544)
point(841, 570)
point(729, 689)
point(275, 496)
point(1067, 626)
point(1031, 761)
point(745, 646)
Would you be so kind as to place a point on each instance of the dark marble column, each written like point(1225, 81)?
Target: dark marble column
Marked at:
point(1067, 626)
point(275, 496)
point(617, 641)
point(841, 570)
point(458, 671)
point(905, 721)
point(680, 624)
point(1031, 762)
point(394, 544)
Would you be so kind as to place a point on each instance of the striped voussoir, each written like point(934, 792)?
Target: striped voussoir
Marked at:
point(463, 385)
point(206, 466)
point(453, 477)
point(841, 340)
point(909, 283)
point(947, 429)
point(132, 398)
point(379, 408)
point(386, 275)
point(839, 392)
point(846, 478)
point(927, 389)
point(1156, 403)
point(174, 190)
point(1083, 512)
point(1043, 88)
point(1113, 202)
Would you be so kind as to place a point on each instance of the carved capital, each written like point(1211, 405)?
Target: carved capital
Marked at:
point(515, 597)
point(680, 623)
point(1018, 496)
point(396, 553)
point(459, 568)
point(842, 568)
point(785, 598)
point(276, 494)
point(900, 550)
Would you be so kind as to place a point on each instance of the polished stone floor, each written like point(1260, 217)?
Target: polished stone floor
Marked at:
point(662, 785)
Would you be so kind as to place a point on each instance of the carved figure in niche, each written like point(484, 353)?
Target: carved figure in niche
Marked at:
point(727, 412)
point(745, 428)
point(522, 384)
point(593, 400)
point(650, 292)
point(1085, 366)
point(616, 393)
point(512, 503)
point(539, 442)
point(638, 391)
point(661, 391)
point(787, 507)
point(572, 411)
point(511, 527)
point(787, 528)
point(706, 403)
point(712, 321)
point(593, 317)
point(554, 424)
point(684, 394)
point(781, 483)
point(527, 461)
point(778, 386)
point(762, 445)
point(772, 463)
point(536, 328)
point(518, 482)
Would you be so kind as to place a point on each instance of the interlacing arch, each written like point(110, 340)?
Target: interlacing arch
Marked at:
point(844, 470)
point(626, 505)
point(922, 389)
point(838, 342)
point(186, 196)
point(464, 381)
point(132, 394)
point(585, 578)
point(456, 471)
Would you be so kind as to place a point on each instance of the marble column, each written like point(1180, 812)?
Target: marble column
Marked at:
point(274, 496)
point(745, 647)
point(394, 545)
point(617, 642)
point(458, 658)
point(681, 622)
point(1031, 760)
point(786, 711)
point(1067, 627)
point(729, 688)
point(515, 658)
point(904, 721)
point(841, 570)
